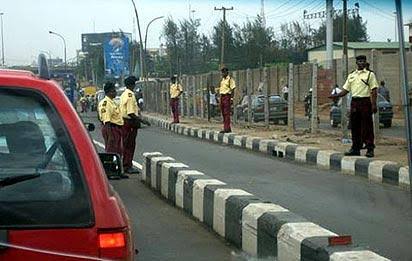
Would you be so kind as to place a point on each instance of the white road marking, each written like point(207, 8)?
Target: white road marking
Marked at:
point(135, 163)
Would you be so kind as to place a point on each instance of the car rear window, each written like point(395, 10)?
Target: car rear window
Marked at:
point(34, 144)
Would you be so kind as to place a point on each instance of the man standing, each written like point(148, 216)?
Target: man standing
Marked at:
point(285, 92)
point(130, 114)
point(175, 91)
point(226, 91)
point(384, 91)
point(111, 118)
point(362, 84)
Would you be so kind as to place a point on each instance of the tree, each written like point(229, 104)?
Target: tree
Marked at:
point(295, 40)
point(357, 31)
point(229, 42)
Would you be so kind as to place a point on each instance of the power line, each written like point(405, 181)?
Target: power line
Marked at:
point(291, 10)
point(224, 9)
point(277, 9)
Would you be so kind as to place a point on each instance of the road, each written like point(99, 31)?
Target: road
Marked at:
point(376, 215)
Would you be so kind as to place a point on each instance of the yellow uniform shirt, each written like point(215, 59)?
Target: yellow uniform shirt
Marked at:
point(109, 111)
point(128, 104)
point(227, 85)
point(175, 90)
point(357, 83)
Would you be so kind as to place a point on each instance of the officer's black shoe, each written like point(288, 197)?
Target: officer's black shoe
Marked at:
point(132, 170)
point(370, 153)
point(124, 176)
point(352, 152)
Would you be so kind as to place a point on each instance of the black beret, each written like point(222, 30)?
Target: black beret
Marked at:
point(108, 86)
point(130, 81)
point(224, 69)
point(361, 57)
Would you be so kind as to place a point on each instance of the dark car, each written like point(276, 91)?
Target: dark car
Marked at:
point(385, 113)
point(278, 109)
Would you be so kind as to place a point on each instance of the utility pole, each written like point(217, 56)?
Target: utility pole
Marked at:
point(262, 12)
point(140, 40)
point(407, 93)
point(2, 40)
point(222, 53)
point(329, 34)
point(344, 119)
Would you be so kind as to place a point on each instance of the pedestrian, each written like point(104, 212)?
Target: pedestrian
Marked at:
point(384, 91)
point(212, 101)
point(111, 118)
point(175, 91)
point(226, 91)
point(130, 114)
point(362, 84)
point(285, 92)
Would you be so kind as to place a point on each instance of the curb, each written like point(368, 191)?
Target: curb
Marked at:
point(260, 228)
point(376, 171)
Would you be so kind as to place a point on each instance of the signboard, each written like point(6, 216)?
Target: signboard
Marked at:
point(116, 56)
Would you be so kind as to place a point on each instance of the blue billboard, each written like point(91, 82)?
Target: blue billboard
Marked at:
point(116, 56)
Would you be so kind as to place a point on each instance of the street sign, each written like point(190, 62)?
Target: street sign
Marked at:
point(116, 56)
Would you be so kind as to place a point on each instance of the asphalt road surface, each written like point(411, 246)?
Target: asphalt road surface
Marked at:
point(378, 216)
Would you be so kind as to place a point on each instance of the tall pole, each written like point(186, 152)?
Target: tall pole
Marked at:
point(64, 42)
point(2, 40)
point(140, 39)
point(344, 119)
point(147, 29)
point(222, 52)
point(262, 12)
point(407, 94)
point(329, 34)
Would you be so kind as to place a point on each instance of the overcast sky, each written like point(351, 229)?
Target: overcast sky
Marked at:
point(27, 22)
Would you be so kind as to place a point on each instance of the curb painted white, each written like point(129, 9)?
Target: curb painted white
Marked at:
point(249, 142)
point(165, 176)
point(219, 207)
point(154, 168)
point(291, 235)
point(250, 215)
point(323, 158)
point(192, 132)
point(263, 145)
point(237, 140)
point(181, 179)
point(186, 132)
point(198, 193)
point(348, 164)
point(226, 138)
point(300, 153)
point(404, 177)
point(216, 136)
point(207, 134)
point(145, 155)
point(280, 148)
point(375, 170)
point(360, 255)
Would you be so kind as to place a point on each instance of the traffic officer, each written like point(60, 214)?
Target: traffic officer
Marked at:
point(130, 114)
point(362, 84)
point(175, 91)
point(111, 118)
point(226, 91)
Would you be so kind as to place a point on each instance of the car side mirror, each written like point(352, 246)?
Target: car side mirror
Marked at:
point(90, 127)
point(112, 164)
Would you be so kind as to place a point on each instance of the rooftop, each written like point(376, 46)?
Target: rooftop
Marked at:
point(364, 45)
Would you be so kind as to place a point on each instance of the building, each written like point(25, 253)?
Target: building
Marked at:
point(318, 54)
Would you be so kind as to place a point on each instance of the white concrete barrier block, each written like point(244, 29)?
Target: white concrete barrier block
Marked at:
point(249, 142)
point(300, 153)
point(404, 180)
point(348, 164)
point(323, 158)
point(291, 235)
point(153, 170)
point(280, 148)
point(216, 136)
point(198, 192)
point(263, 145)
point(360, 255)
point(250, 215)
point(193, 131)
point(207, 134)
point(375, 170)
point(237, 141)
point(199, 134)
point(226, 138)
point(219, 207)
point(186, 132)
point(145, 155)
point(181, 179)
point(165, 176)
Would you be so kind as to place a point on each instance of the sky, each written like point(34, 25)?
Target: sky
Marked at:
point(26, 23)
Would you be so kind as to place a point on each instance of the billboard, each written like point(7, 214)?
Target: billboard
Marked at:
point(116, 55)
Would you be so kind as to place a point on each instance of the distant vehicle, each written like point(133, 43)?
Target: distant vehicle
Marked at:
point(385, 113)
point(119, 92)
point(55, 200)
point(278, 109)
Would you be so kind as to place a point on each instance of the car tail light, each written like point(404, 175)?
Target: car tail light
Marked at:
point(113, 245)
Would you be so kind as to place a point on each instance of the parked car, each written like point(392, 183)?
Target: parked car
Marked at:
point(55, 200)
point(278, 109)
point(385, 113)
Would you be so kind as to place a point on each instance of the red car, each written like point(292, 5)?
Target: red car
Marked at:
point(55, 200)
